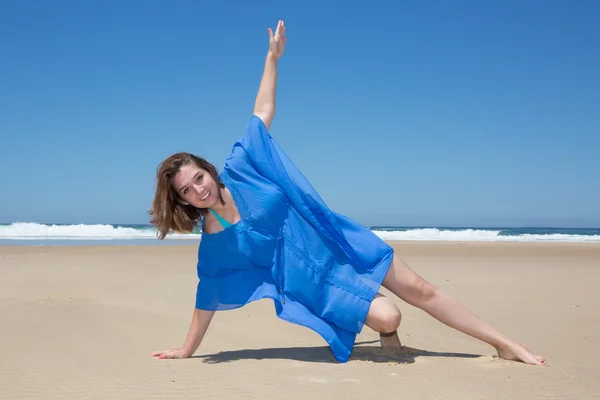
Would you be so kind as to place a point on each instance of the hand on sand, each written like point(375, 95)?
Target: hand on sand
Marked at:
point(277, 41)
point(175, 353)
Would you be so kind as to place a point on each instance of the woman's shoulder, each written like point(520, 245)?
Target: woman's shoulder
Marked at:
point(254, 127)
point(256, 120)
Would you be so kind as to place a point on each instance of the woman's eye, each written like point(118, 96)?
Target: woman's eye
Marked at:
point(199, 179)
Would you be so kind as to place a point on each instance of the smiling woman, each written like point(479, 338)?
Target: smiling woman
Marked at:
point(268, 234)
point(186, 187)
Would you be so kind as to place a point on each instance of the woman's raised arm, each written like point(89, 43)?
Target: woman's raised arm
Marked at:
point(264, 106)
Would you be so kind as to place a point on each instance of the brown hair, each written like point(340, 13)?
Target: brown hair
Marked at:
point(169, 212)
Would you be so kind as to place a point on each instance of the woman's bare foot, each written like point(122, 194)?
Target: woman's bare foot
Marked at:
point(390, 341)
point(516, 352)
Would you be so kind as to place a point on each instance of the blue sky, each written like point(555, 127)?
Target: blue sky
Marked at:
point(408, 113)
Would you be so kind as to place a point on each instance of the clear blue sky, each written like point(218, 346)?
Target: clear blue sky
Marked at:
point(411, 113)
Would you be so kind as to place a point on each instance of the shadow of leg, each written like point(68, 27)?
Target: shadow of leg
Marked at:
point(323, 354)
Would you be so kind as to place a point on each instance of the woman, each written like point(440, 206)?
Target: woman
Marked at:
point(268, 234)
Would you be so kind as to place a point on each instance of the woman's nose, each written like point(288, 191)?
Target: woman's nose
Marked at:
point(199, 189)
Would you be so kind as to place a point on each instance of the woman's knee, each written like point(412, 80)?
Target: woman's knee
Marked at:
point(392, 319)
point(384, 316)
point(408, 285)
point(426, 291)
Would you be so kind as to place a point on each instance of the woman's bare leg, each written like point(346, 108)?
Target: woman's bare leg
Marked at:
point(413, 289)
point(384, 317)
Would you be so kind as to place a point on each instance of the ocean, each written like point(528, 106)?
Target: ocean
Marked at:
point(31, 233)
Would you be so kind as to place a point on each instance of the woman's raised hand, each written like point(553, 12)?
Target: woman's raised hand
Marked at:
point(277, 40)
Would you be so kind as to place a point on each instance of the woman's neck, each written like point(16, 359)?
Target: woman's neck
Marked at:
point(219, 207)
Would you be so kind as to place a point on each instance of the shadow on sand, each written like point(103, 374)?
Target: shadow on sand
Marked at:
point(323, 354)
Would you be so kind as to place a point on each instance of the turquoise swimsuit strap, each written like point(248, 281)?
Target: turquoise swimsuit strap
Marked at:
point(222, 220)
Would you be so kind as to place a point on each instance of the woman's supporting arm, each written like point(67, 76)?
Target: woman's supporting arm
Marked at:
point(200, 321)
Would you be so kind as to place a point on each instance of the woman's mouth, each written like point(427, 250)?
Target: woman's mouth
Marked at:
point(205, 196)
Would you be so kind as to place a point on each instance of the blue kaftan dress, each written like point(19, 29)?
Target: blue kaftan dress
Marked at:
point(321, 268)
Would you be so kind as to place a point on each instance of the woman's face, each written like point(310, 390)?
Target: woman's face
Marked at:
point(196, 186)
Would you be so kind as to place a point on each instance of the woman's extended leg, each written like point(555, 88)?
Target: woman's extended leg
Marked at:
point(413, 289)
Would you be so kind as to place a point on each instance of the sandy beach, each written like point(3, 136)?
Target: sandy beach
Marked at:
point(80, 322)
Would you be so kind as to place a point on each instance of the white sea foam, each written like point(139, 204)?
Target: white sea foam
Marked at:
point(36, 231)
point(480, 235)
point(437, 234)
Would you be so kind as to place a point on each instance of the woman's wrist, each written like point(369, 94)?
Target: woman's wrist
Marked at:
point(272, 56)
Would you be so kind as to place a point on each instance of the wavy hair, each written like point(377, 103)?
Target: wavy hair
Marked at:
point(169, 212)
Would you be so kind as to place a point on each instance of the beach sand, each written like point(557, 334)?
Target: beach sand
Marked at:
point(80, 323)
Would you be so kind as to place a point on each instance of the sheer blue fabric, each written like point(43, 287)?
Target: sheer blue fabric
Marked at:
point(321, 269)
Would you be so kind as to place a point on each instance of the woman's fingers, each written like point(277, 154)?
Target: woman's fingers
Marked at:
point(173, 353)
point(163, 354)
point(280, 29)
